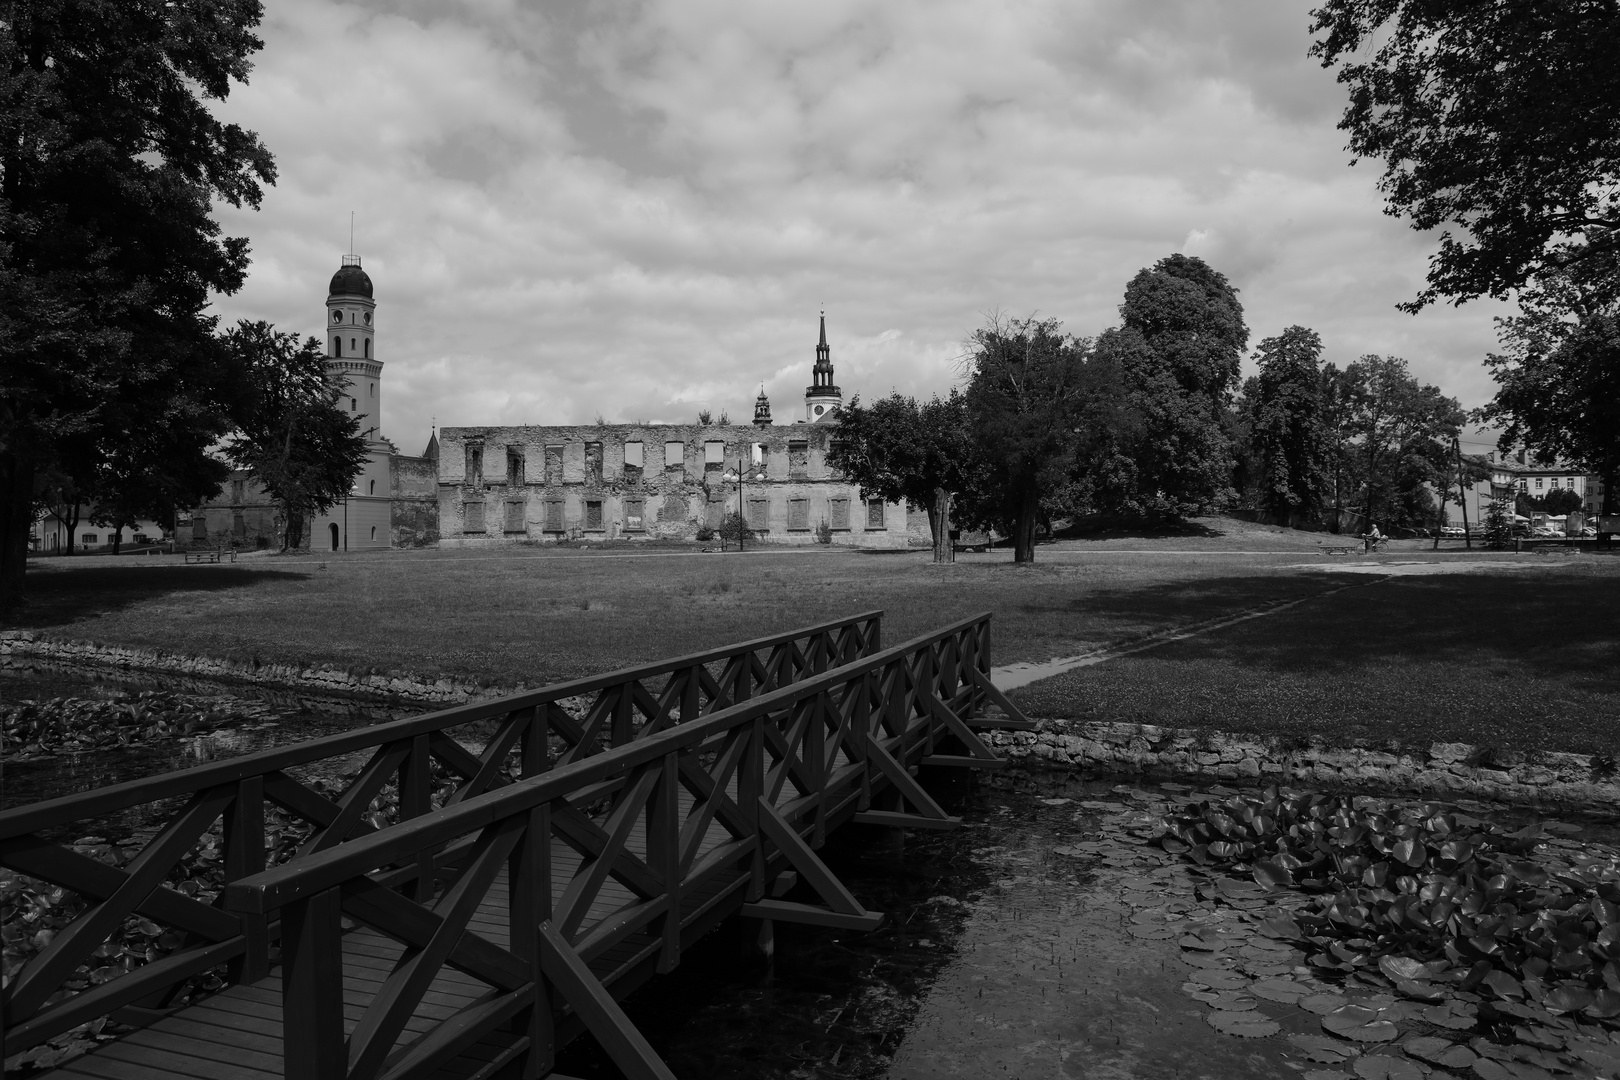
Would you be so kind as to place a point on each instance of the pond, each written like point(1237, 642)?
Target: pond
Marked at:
point(1051, 935)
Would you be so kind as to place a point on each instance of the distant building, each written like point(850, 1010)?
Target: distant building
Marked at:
point(1519, 471)
point(394, 499)
point(51, 534)
point(635, 481)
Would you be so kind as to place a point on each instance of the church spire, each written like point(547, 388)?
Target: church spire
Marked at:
point(822, 398)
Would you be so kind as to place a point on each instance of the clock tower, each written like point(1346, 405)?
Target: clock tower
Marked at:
point(822, 399)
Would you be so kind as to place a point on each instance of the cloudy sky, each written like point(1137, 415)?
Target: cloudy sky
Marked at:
point(636, 209)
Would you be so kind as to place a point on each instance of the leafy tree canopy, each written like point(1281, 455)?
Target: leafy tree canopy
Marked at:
point(1497, 122)
point(1285, 422)
point(1558, 392)
point(293, 438)
point(109, 164)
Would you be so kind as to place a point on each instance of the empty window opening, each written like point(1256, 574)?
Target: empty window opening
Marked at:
point(475, 464)
point(799, 459)
point(633, 458)
point(757, 454)
point(675, 458)
point(353, 405)
point(593, 515)
point(371, 487)
point(634, 515)
point(368, 348)
point(374, 533)
point(714, 453)
point(337, 346)
point(238, 490)
point(554, 466)
point(593, 462)
point(874, 513)
point(514, 465)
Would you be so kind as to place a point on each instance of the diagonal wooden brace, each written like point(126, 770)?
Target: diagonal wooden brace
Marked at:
point(954, 724)
point(1016, 721)
point(842, 909)
point(592, 1003)
point(929, 814)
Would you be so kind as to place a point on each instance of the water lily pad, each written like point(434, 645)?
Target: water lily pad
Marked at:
point(1221, 980)
point(1322, 1049)
point(1380, 1067)
point(1428, 1048)
point(1360, 1024)
point(1568, 998)
point(1150, 933)
point(1327, 1074)
point(1234, 1001)
point(1246, 1025)
point(1400, 968)
point(1325, 1003)
point(1285, 991)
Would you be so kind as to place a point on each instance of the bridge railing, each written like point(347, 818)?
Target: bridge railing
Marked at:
point(774, 773)
point(240, 815)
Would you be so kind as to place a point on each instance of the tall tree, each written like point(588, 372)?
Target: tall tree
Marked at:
point(1341, 396)
point(110, 162)
point(899, 449)
point(294, 438)
point(1028, 392)
point(1404, 431)
point(1177, 356)
point(1286, 425)
point(1558, 392)
point(1500, 120)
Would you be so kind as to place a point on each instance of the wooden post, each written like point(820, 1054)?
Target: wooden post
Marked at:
point(750, 787)
point(416, 799)
point(664, 851)
point(244, 856)
point(312, 988)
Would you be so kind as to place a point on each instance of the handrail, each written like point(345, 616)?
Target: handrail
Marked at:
point(417, 759)
point(68, 808)
point(295, 880)
point(726, 802)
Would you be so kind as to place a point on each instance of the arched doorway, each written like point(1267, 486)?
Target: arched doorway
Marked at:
point(333, 527)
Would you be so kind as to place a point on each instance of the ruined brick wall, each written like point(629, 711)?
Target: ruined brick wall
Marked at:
point(413, 485)
point(637, 481)
point(241, 515)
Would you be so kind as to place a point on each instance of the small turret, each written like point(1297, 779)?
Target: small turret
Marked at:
point(762, 409)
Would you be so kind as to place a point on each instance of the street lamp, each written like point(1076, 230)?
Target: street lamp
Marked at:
point(742, 522)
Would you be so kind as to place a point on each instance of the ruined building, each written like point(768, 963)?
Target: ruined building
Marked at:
point(616, 481)
point(394, 502)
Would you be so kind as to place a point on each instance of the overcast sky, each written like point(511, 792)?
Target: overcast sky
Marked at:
point(637, 209)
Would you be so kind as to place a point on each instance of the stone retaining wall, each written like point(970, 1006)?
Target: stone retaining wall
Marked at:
point(1556, 779)
point(20, 647)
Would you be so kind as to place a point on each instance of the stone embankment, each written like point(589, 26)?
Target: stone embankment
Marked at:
point(23, 647)
point(1450, 770)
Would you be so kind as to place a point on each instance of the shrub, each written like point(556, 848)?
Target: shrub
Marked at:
point(824, 532)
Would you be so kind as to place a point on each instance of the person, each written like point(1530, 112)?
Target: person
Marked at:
point(1372, 539)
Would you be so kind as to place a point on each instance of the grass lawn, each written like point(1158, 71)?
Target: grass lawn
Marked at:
point(1514, 657)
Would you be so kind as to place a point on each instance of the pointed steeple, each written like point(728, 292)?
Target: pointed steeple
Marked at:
point(822, 398)
point(762, 409)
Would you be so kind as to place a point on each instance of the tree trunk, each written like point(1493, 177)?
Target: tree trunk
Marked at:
point(1024, 527)
point(292, 536)
point(118, 538)
point(71, 520)
point(16, 519)
point(939, 517)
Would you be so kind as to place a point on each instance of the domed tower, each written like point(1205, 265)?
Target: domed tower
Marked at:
point(350, 344)
point(762, 410)
point(822, 399)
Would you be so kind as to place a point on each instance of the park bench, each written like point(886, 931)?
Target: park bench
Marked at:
point(211, 555)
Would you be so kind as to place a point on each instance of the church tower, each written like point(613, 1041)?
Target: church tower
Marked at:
point(350, 345)
point(822, 399)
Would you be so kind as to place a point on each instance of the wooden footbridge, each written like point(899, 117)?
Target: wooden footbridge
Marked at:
point(494, 878)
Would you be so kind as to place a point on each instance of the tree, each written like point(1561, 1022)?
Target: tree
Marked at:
point(901, 450)
point(1558, 502)
point(1498, 524)
point(294, 438)
point(1027, 399)
point(1558, 392)
point(1285, 426)
point(1176, 356)
point(1499, 119)
point(1341, 397)
point(1405, 430)
point(734, 530)
point(109, 166)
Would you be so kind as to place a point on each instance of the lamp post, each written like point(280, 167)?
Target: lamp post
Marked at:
point(728, 477)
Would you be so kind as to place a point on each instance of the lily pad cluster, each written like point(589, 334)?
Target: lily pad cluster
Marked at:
point(1436, 899)
point(70, 725)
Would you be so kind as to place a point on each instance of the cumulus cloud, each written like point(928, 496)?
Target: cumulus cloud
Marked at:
point(638, 210)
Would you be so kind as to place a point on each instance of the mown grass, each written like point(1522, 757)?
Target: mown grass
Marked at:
point(1514, 659)
point(1510, 661)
